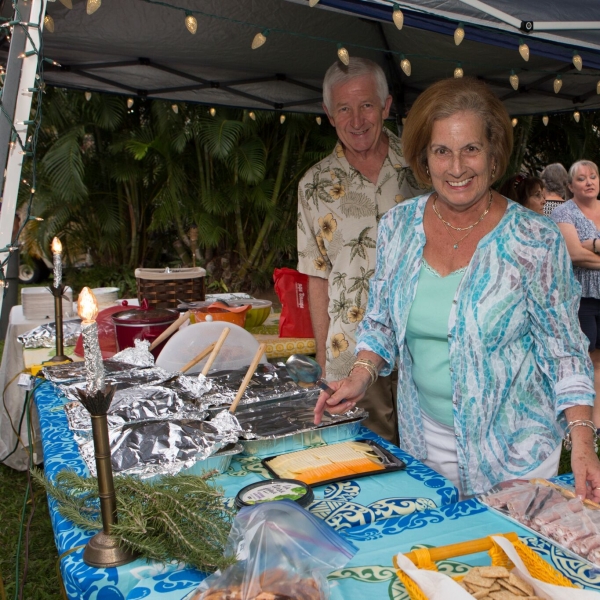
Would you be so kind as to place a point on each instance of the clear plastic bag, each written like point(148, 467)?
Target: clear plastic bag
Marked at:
point(283, 551)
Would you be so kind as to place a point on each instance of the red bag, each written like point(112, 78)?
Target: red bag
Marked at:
point(292, 289)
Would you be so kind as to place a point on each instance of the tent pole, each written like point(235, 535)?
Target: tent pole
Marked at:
point(493, 12)
point(16, 102)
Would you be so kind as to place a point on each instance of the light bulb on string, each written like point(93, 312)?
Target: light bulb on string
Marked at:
point(312, 3)
point(67, 3)
point(459, 34)
point(88, 96)
point(557, 84)
point(458, 72)
point(405, 65)
point(282, 119)
point(514, 80)
point(49, 23)
point(545, 120)
point(398, 17)
point(175, 108)
point(343, 55)
point(318, 120)
point(598, 87)
point(514, 122)
point(577, 60)
point(523, 50)
point(252, 115)
point(213, 111)
point(259, 39)
point(191, 23)
point(92, 6)
point(130, 102)
point(577, 116)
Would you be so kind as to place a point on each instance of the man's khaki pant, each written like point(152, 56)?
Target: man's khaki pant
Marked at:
point(380, 402)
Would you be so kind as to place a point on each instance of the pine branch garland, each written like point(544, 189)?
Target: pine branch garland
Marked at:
point(177, 517)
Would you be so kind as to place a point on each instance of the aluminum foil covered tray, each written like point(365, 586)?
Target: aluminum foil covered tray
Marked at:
point(268, 382)
point(278, 426)
point(136, 404)
point(75, 371)
point(161, 447)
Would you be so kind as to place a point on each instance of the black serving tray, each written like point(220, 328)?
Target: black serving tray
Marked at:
point(391, 463)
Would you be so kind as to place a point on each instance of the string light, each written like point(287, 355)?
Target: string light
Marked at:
point(312, 3)
point(213, 111)
point(598, 87)
point(458, 72)
point(259, 39)
point(577, 116)
point(49, 23)
point(405, 65)
point(459, 34)
point(318, 120)
point(514, 80)
point(252, 115)
point(545, 120)
point(398, 17)
point(191, 23)
point(67, 3)
point(175, 108)
point(343, 55)
point(88, 96)
point(523, 50)
point(577, 60)
point(282, 119)
point(130, 102)
point(557, 84)
point(514, 122)
point(92, 6)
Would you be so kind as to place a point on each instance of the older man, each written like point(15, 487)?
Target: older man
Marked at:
point(340, 202)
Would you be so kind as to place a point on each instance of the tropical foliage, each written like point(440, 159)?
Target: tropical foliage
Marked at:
point(124, 185)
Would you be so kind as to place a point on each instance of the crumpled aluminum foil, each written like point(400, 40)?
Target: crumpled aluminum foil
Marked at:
point(268, 420)
point(139, 356)
point(134, 405)
point(191, 388)
point(227, 425)
point(44, 336)
point(75, 371)
point(268, 382)
point(165, 447)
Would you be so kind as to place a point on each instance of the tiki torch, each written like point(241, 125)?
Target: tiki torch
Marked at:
point(57, 290)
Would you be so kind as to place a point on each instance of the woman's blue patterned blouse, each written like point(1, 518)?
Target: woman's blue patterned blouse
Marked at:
point(518, 357)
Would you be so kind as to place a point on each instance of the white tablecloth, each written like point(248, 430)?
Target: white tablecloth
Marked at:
point(14, 396)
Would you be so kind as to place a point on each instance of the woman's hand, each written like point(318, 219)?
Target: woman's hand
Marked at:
point(347, 392)
point(586, 467)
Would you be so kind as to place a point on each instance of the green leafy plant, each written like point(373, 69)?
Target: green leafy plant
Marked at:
point(177, 517)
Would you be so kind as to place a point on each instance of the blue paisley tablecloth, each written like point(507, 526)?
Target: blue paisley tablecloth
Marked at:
point(358, 503)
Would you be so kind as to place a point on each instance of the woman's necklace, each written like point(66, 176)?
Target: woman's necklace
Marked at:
point(469, 229)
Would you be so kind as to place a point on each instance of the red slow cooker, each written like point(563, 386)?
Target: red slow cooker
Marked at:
point(142, 324)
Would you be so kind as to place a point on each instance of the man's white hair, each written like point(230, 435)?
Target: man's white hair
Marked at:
point(339, 74)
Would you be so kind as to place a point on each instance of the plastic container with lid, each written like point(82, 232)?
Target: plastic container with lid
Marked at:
point(275, 489)
point(142, 324)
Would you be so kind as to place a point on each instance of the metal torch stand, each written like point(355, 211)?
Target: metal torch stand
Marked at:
point(58, 292)
point(103, 549)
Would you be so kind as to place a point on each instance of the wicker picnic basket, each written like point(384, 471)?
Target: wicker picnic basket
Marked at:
point(166, 288)
point(424, 558)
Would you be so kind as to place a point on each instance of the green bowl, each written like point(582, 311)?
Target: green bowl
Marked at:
point(258, 314)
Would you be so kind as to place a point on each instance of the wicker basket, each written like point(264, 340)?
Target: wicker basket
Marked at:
point(425, 559)
point(167, 288)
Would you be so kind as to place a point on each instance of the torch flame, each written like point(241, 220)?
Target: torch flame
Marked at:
point(87, 306)
point(56, 246)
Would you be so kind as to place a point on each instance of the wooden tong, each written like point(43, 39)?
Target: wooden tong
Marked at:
point(171, 329)
point(248, 377)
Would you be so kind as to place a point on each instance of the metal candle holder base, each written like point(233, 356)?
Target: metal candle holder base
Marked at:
point(103, 549)
point(58, 292)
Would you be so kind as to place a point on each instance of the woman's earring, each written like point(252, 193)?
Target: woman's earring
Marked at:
point(493, 171)
point(427, 171)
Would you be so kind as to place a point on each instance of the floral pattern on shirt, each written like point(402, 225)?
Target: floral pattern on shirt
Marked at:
point(338, 212)
point(517, 354)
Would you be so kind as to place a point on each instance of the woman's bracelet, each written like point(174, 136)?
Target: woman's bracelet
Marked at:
point(369, 365)
point(594, 246)
point(580, 423)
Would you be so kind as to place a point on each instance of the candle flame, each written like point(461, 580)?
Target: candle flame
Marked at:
point(87, 306)
point(56, 246)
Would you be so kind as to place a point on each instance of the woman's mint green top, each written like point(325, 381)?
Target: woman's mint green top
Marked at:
point(427, 340)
